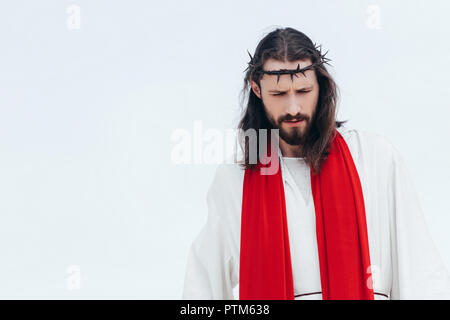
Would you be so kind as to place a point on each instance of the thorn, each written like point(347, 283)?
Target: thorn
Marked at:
point(251, 58)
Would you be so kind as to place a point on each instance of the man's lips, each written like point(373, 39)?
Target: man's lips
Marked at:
point(293, 123)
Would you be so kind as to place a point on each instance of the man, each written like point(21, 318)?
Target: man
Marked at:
point(338, 218)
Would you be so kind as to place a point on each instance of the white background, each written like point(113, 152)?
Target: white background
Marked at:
point(87, 116)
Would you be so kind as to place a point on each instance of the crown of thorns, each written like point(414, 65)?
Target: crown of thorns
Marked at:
point(320, 61)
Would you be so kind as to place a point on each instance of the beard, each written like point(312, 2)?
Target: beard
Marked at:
point(293, 135)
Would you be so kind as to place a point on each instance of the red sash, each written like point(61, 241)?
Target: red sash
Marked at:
point(265, 258)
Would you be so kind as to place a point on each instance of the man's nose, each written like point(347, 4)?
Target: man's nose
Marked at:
point(294, 105)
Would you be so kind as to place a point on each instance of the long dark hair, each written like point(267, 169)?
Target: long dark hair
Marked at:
point(288, 44)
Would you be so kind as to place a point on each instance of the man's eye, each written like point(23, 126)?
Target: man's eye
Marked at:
point(299, 91)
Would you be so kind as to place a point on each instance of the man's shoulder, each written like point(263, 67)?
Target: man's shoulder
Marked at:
point(228, 175)
point(366, 139)
point(225, 192)
point(371, 146)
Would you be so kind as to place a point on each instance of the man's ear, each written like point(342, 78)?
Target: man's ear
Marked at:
point(255, 88)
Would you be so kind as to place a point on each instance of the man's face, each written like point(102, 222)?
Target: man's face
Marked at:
point(290, 104)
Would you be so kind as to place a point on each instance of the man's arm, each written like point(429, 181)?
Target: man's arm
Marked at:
point(418, 270)
point(209, 265)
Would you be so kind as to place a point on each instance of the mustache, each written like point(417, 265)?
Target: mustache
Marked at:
point(297, 117)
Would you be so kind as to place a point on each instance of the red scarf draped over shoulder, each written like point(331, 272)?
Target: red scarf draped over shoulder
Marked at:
point(265, 270)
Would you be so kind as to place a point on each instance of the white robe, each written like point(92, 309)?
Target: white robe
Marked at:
point(405, 262)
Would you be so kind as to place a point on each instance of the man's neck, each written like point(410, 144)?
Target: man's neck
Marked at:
point(288, 150)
